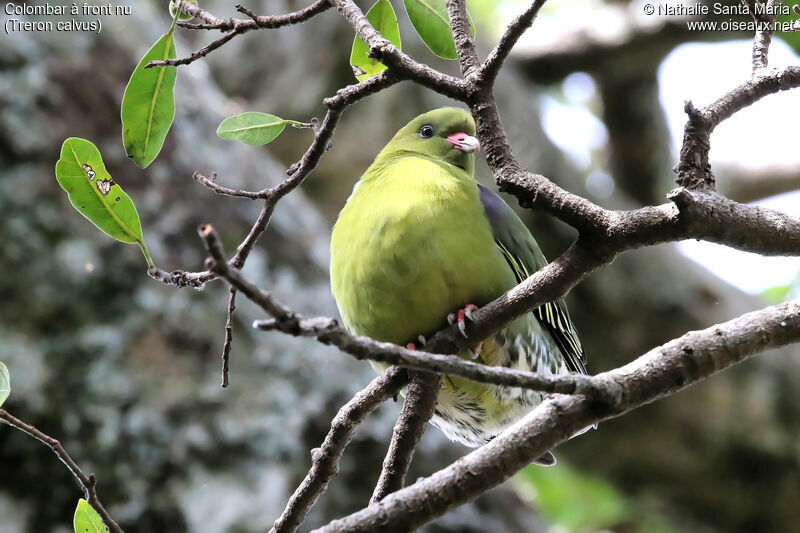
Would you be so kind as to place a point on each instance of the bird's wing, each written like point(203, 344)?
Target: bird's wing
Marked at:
point(524, 257)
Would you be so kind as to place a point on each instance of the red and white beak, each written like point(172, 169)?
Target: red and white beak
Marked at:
point(464, 142)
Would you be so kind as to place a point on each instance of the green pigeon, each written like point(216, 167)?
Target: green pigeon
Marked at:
point(419, 244)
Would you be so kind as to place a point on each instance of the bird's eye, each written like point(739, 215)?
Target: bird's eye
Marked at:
point(426, 131)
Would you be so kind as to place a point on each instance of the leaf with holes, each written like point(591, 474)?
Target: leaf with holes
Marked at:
point(87, 520)
point(383, 18)
point(432, 22)
point(148, 105)
point(252, 128)
point(5, 383)
point(92, 191)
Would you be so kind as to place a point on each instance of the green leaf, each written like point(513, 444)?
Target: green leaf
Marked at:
point(432, 23)
point(252, 128)
point(383, 18)
point(183, 16)
point(92, 191)
point(148, 105)
point(5, 383)
point(87, 520)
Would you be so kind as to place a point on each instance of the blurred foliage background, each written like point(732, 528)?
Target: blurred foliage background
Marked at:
point(125, 371)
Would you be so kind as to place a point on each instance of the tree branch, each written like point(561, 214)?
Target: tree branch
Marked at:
point(226, 347)
point(234, 27)
point(325, 459)
point(398, 62)
point(660, 372)
point(695, 214)
point(88, 483)
point(328, 331)
point(694, 169)
point(417, 411)
point(696, 211)
point(212, 184)
point(765, 27)
point(298, 171)
point(462, 37)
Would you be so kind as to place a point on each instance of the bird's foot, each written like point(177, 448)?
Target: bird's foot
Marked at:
point(460, 317)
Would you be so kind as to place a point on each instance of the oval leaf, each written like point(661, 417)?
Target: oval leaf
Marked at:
point(252, 128)
point(148, 105)
point(81, 173)
point(87, 520)
point(383, 18)
point(432, 22)
point(5, 383)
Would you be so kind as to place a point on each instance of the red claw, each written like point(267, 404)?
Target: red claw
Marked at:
point(461, 317)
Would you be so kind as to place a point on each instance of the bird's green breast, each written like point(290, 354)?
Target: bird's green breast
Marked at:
point(410, 246)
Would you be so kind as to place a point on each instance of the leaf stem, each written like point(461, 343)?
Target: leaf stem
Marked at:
point(143, 246)
point(296, 124)
point(174, 21)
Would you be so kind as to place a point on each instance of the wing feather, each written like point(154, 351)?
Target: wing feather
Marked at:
point(524, 257)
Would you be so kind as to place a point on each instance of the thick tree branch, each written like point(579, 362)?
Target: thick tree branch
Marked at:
point(417, 411)
point(325, 459)
point(88, 483)
point(462, 36)
point(765, 28)
point(660, 372)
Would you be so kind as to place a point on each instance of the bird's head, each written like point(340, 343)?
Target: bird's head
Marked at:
point(447, 134)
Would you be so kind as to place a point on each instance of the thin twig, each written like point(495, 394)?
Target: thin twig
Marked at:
point(181, 278)
point(325, 459)
point(328, 331)
point(88, 483)
point(197, 54)
point(300, 170)
point(226, 191)
point(226, 347)
point(234, 27)
point(417, 410)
